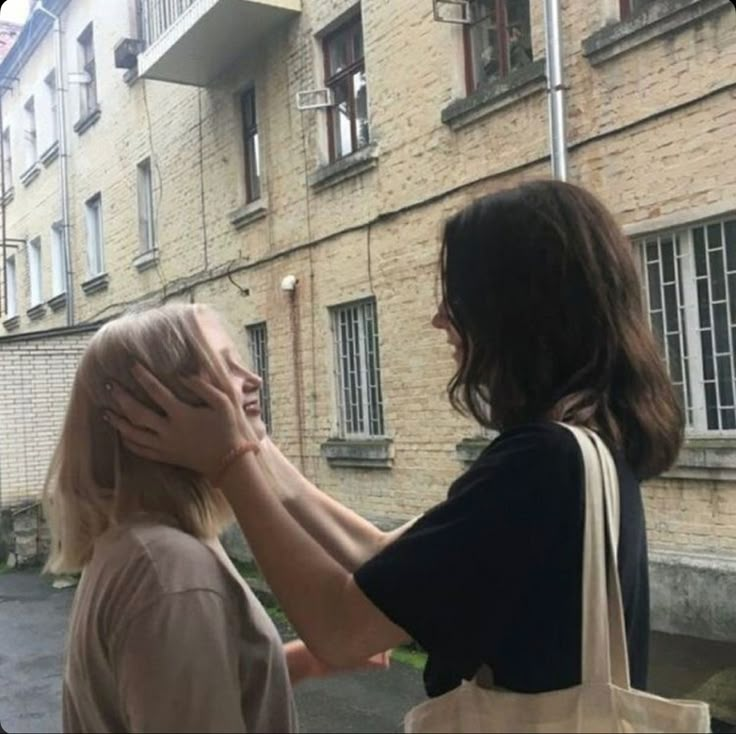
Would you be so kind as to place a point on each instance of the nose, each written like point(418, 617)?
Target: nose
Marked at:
point(439, 320)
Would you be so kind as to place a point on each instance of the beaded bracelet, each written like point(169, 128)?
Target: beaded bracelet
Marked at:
point(232, 456)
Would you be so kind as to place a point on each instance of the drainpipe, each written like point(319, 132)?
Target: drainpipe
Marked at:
point(61, 90)
point(555, 89)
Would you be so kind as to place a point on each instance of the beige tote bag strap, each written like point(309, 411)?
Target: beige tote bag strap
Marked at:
point(617, 624)
point(602, 662)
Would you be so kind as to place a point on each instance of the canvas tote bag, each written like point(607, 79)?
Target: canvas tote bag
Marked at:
point(605, 701)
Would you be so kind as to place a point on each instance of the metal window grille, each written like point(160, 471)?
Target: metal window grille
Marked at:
point(258, 347)
point(358, 370)
point(690, 291)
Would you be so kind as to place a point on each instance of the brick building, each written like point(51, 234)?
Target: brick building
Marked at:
point(216, 148)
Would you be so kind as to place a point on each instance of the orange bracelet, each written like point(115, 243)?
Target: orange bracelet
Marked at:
point(232, 456)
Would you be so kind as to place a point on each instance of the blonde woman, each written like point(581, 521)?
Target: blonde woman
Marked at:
point(164, 636)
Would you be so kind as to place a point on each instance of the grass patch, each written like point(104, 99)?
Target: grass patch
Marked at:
point(411, 657)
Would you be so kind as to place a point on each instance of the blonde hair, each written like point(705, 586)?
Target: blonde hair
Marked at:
point(93, 480)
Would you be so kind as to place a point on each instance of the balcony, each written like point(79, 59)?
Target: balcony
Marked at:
point(195, 41)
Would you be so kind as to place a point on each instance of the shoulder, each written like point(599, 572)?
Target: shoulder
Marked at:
point(158, 558)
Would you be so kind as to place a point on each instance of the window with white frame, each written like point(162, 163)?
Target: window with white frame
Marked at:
point(95, 251)
point(146, 225)
point(58, 261)
point(251, 152)
point(357, 370)
point(11, 287)
point(258, 348)
point(689, 279)
point(30, 133)
point(52, 101)
point(7, 159)
point(87, 64)
point(35, 272)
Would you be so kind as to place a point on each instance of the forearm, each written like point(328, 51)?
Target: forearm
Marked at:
point(317, 593)
point(346, 536)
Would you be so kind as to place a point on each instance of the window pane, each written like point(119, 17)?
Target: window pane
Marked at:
point(658, 328)
point(668, 261)
point(730, 232)
point(704, 302)
point(338, 54)
point(706, 341)
point(675, 357)
point(701, 267)
point(725, 381)
point(720, 316)
point(360, 88)
point(655, 287)
point(717, 275)
point(671, 310)
point(711, 405)
point(342, 135)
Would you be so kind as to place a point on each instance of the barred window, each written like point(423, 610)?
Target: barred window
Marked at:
point(689, 280)
point(258, 348)
point(357, 370)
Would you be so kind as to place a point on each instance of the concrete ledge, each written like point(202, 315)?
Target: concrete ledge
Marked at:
point(57, 302)
point(9, 195)
point(31, 174)
point(12, 323)
point(653, 21)
point(711, 459)
point(249, 213)
point(86, 122)
point(37, 312)
point(146, 260)
point(50, 154)
point(693, 595)
point(96, 284)
point(469, 449)
point(519, 84)
point(368, 453)
point(357, 163)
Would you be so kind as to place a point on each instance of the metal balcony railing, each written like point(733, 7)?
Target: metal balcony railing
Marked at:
point(157, 16)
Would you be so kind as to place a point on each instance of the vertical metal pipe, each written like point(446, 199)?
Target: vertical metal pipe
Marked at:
point(2, 204)
point(555, 89)
point(64, 170)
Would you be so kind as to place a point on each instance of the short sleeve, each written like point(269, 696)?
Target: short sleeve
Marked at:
point(177, 666)
point(456, 579)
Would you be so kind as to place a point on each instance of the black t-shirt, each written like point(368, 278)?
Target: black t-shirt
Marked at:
point(493, 575)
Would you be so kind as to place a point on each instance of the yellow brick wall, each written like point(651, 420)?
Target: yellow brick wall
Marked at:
point(647, 132)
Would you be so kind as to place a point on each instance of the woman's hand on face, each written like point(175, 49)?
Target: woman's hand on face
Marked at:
point(196, 438)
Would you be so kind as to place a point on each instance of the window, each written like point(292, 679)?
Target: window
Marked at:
point(689, 279)
point(95, 260)
point(53, 101)
point(35, 272)
point(7, 159)
point(88, 91)
point(347, 121)
point(11, 287)
point(258, 348)
point(497, 40)
point(631, 7)
point(30, 133)
point(146, 227)
point(358, 371)
point(58, 261)
point(250, 146)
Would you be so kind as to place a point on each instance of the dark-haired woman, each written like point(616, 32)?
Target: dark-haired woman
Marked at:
point(542, 304)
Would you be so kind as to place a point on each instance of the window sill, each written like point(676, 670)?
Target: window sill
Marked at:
point(50, 154)
point(36, 312)
point(501, 93)
point(359, 453)
point(355, 164)
point(57, 302)
point(9, 196)
point(96, 284)
point(146, 260)
point(12, 323)
point(653, 21)
point(29, 176)
point(469, 449)
point(711, 459)
point(86, 122)
point(251, 212)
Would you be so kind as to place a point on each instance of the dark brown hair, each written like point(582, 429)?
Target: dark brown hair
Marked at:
point(540, 283)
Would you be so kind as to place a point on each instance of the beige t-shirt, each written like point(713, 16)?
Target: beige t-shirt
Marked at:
point(166, 637)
